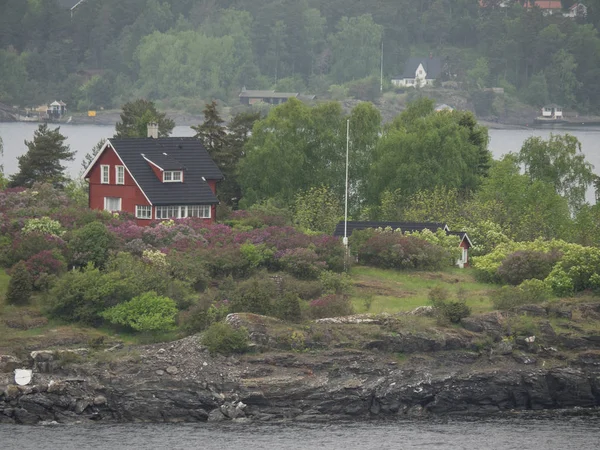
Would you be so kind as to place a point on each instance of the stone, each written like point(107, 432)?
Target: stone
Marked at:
point(56, 387)
point(160, 372)
point(524, 359)
point(81, 405)
point(99, 400)
point(24, 417)
point(172, 370)
point(216, 416)
point(9, 363)
point(504, 348)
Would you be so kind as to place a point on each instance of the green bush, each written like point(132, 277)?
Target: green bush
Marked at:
point(578, 270)
point(224, 339)
point(527, 264)
point(199, 317)
point(254, 296)
point(448, 310)
point(288, 308)
point(528, 292)
point(44, 225)
point(303, 263)
point(330, 306)
point(20, 285)
point(91, 244)
point(147, 312)
point(335, 283)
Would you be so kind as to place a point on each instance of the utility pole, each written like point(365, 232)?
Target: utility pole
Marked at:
point(381, 76)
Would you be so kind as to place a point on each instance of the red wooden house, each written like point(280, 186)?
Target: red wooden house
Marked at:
point(154, 178)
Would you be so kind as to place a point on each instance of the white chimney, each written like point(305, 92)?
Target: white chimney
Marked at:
point(153, 130)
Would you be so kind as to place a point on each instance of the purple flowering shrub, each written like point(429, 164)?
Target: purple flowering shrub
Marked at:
point(330, 306)
point(303, 263)
point(395, 251)
point(43, 264)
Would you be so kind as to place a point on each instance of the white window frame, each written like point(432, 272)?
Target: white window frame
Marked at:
point(143, 212)
point(107, 199)
point(120, 174)
point(169, 176)
point(182, 212)
point(104, 174)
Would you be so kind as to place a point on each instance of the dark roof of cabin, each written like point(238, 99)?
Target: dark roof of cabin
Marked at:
point(404, 226)
point(267, 94)
point(188, 153)
point(432, 65)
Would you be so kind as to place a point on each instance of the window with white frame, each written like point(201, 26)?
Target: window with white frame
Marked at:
point(105, 174)
point(143, 212)
point(172, 176)
point(120, 174)
point(112, 203)
point(181, 212)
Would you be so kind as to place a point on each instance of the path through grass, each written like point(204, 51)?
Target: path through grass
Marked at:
point(394, 291)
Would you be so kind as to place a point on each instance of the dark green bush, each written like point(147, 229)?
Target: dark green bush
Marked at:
point(525, 265)
point(224, 339)
point(91, 244)
point(528, 292)
point(303, 263)
point(20, 285)
point(305, 289)
point(288, 308)
point(254, 295)
point(199, 317)
point(448, 310)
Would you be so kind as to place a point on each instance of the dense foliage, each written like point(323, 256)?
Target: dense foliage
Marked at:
point(106, 52)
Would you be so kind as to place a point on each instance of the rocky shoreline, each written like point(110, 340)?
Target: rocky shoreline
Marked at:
point(399, 375)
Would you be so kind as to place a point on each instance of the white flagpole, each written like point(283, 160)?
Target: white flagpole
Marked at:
point(346, 203)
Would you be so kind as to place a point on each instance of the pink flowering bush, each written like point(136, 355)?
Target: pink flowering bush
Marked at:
point(330, 306)
point(43, 264)
point(303, 263)
point(394, 251)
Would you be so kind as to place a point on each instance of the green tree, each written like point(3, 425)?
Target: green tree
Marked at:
point(42, 162)
point(20, 285)
point(355, 48)
point(423, 149)
point(2, 179)
point(212, 133)
point(560, 162)
point(148, 312)
point(89, 157)
point(562, 78)
point(317, 209)
point(137, 115)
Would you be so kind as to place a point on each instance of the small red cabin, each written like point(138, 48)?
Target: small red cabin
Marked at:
point(154, 178)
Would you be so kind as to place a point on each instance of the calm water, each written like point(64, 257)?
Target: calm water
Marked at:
point(529, 434)
point(82, 139)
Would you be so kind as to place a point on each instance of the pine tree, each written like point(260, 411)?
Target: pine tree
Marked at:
point(213, 134)
point(42, 162)
point(19, 286)
point(137, 115)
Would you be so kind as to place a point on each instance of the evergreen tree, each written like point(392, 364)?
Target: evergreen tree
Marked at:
point(42, 162)
point(89, 157)
point(212, 134)
point(137, 115)
point(19, 286)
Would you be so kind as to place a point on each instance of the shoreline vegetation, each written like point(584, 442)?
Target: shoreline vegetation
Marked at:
point(265, 316)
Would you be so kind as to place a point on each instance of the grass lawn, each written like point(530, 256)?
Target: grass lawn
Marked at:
point(394, 291)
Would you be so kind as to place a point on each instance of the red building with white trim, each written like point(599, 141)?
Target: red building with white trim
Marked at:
point(154, 178)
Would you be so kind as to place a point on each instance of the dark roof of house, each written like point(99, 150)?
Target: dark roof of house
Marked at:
point(432, 65)
point(267, 94)
point(165, 162)
point(187, 154)
point(404, 226)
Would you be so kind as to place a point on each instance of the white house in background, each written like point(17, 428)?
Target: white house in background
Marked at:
point(577, 10)
point(419, 72)
point(552, 112)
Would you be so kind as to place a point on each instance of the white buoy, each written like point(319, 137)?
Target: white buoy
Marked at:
point(23, 376)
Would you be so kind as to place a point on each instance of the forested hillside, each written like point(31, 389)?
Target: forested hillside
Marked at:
point(185, 52)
